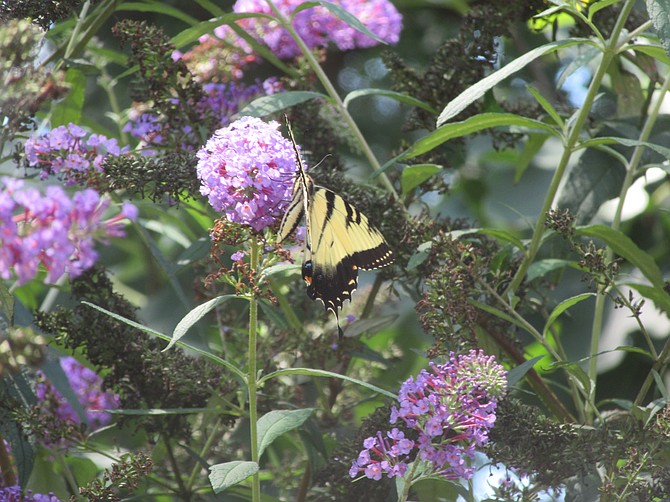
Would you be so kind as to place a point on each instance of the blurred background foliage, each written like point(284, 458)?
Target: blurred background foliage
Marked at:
point(495, 179)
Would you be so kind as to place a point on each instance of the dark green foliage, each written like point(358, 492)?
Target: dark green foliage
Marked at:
point(171, 175)
point(140, 373)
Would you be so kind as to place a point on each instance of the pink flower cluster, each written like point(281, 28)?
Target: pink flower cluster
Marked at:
point(317, 26)
point(451, 409)
point(64, 151)
point(246, 170)
point(52, 229)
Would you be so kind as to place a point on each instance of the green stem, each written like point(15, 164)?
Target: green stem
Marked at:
point(609, 52)
point(408, 477)
point(332, 92)
point(252, 379)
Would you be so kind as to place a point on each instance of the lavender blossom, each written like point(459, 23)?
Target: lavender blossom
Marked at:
point(14, 494)
point(318, 27)
point(52, 229)
point(246, 171)
point(451, 408)
point(66, 153)
point(87, 386)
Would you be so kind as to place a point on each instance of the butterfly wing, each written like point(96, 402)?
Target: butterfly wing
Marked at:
point(342, 242)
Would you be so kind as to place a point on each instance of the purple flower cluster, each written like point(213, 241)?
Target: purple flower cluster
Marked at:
point(87, 385)
point(451, 409)
point(65, 152)
point(52, 229)
point(318, 27)
point(220, 103)
point(14, 494)
point(246, 170)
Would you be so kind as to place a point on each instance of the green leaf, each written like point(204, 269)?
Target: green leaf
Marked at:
point(655, 51)
point(413, 176)
point(341, 13)
point(498, 313)
point(6, 307)
point(532, 147)
point(275, 423)
point(471, 125)
point(194, 316)
point(659, 13)
point(327, 374)
point(211, 7)
point(16, 388)
point(546, 105)
point(562, 307)
point(223, 476)
point(623, 246)
point(56, 375)
point(266, 105)
point(158, 8)
point(594, 7)
point(419, 256)
point(516, 374)
point(594, 180)
point(69, 109)
point(503, 235)
point(609, 140)
point(193, 33)
point(398, 96)
point(629, 96)
point(541, 268)
point(476, 91)
point(368, 325)
point(162, 411)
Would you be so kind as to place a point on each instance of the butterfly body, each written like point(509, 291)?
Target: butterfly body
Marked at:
point(339, 241)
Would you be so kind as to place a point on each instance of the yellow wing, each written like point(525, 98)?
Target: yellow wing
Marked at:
point(342, 242)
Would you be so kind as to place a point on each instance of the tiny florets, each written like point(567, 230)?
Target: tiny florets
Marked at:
point(246, 171)
point(51, 229)
point(451, 408)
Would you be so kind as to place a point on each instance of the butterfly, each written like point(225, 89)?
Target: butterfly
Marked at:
point(339, 240)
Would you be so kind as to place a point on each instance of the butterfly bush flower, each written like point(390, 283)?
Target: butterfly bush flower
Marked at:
point(67, 153)
point(246, 171)
point(451, 408)
point(52, 229)
point(14, 494)
point(87, 386)
point(318, 27)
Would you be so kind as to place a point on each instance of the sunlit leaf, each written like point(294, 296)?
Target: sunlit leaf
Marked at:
point(476, 91)
point(277, 422)
point(267, 105)
point(223, 476)
point(413, 176)
point(562, 307)
point(194, 316)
